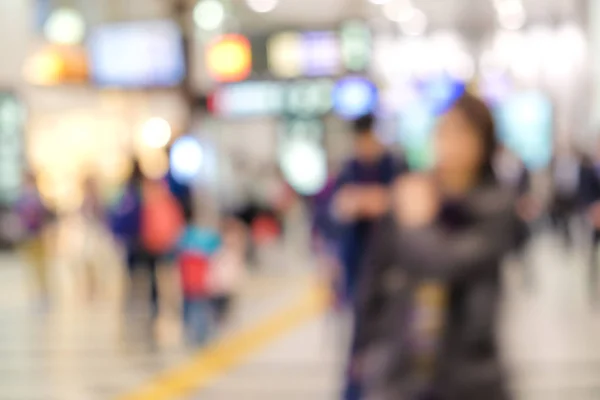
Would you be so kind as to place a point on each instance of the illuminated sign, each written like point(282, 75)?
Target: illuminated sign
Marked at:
point(305, 98)
point(229, 58)
point(416, 123)
point(356, 44)
point(247, 99)
point(284, 52)
point(354, 96)
point(308, 97)
point(525, 125)
point(137, 54)
point(56, 65)
point(291, 55)
point(11, 148)
point(320, 54)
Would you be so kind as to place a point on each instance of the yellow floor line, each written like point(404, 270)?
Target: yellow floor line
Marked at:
point(225, 354)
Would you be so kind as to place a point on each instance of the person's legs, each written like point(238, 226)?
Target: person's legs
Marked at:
point(197, 317)
point(153, 277)
point(593, 266)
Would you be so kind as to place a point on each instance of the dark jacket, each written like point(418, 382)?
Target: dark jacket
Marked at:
point(462, 252)
point(354, 236)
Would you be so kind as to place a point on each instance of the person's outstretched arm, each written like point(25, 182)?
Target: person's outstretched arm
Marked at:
point(459, 254)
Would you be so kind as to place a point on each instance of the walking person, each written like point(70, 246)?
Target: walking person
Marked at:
point(428, 305)
point(565, 171)
point(361, 197)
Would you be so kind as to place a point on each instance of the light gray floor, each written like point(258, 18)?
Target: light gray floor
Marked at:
point(551, 339)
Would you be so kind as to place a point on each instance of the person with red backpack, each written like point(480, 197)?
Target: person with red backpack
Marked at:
point(148, 220)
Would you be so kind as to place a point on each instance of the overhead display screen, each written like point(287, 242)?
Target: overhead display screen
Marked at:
point(321, 53)
point(247, 99)
point(137, 54)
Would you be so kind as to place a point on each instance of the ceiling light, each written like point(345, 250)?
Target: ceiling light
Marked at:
point(399, 10)
point(511, 14)
point(209, 14)
point(65, 26)
point(262, 6)
point(415, 26)
point(460, 66)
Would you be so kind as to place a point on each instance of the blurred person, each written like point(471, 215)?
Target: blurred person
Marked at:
point(34, 217)
point(512, 172)
point(589, 195)
point(361, 197)
point(194, 251)
point(429, 302)
point(147, 220)
point(228, 270)
point(565, 173)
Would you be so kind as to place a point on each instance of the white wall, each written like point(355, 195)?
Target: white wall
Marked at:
point(16, 27)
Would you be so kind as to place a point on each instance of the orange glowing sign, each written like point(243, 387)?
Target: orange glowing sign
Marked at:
point(229, 58)
point(55, 65)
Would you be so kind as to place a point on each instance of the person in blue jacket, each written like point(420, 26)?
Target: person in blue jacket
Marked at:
point(361, 197)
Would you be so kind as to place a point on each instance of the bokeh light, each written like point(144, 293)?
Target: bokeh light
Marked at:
point(354, 96)
point(229, 58)
point(262, 6)
point(186, 159)
point(156, 133)
point(65, 26)
point(304, 166)
point(209, 14)
point(285, 55)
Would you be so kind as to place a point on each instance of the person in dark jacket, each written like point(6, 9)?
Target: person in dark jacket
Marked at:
point(428, 304)
point(361, 197)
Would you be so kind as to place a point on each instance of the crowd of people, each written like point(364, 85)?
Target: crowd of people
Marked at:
point(415, 255)
point(117, 251)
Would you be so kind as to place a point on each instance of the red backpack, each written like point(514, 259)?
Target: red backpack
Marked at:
point(162, 218)
point(194, 269)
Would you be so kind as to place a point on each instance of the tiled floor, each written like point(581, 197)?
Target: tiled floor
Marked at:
point(551, 338)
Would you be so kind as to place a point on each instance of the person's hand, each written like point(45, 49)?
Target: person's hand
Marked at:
point(375, 201)
point(416, 202)
point(594, 214)
point(528, 209)
point(347, 202)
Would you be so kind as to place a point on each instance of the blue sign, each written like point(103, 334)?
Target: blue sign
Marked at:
point(416, 124)
point(354, 96)
point(441, 92)
point(525, 125)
